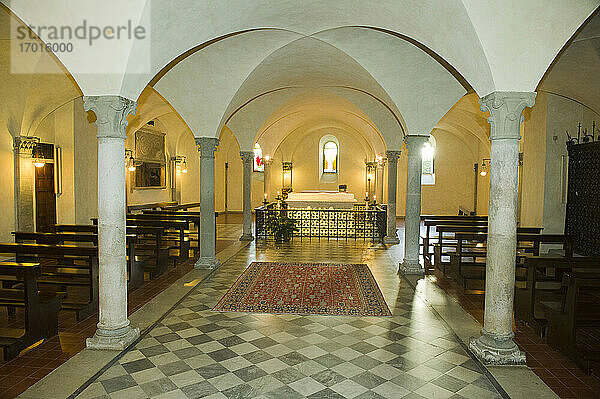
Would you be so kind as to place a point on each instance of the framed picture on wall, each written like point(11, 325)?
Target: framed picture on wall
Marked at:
point(151, 169)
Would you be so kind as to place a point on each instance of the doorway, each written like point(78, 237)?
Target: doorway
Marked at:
point(45, 198)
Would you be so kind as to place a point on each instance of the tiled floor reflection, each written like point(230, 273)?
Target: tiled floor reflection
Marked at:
point(22, 372)
point(194, 352)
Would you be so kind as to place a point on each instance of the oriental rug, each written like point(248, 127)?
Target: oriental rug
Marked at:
point(305, 288)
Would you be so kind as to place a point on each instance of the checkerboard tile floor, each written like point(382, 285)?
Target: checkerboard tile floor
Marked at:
point(194, 352)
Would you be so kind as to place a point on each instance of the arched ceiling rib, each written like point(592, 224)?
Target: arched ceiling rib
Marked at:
point(482, 39)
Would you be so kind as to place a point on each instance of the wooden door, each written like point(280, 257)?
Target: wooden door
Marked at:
point(45, 198)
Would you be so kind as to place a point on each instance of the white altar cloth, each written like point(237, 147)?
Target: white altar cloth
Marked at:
point(321, 199)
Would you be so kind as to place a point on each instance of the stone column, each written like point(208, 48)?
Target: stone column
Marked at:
point(379, 180)
point(207, 234)
point(267, 176)
point(114, 331)
point(412, 217)
point(495, 346)
point(392, 160)
point(247, 159)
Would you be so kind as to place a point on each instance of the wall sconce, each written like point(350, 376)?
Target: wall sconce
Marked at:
point(38, 158)
point(129, 160)
point(42, 153)
point(485, 166)
point(180, 162)
point(286, 185)
point(371, 178)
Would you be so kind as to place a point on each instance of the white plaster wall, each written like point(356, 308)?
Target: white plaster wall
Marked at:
point(562, 114)
point(85, 177)
point(534, 163)
point(7, 185)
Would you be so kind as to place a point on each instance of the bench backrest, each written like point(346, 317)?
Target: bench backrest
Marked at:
point(535, 239)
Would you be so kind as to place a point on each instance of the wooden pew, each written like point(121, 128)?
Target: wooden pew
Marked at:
point(154, 205)
point(182, 207)
point(151, 252)
point(135, 266)
point(544, 283)
point(62, 266)
point(578, 309)
point(447, 242)
point(40, 308)
point(431, 223)
point(468, 264)
point(175, 231)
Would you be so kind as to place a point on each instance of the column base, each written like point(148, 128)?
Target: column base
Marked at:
point(246, 237)
point(497, 349)
point(391, 240)
point(209, 263)
point(116, 340)
point(411, 267)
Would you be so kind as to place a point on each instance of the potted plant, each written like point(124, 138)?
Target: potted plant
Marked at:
point(281, 226)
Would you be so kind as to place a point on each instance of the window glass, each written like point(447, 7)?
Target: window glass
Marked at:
point(330, 157)
point(259, 166)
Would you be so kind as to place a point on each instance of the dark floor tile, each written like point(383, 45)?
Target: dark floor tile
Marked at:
point(199, 390)
point(138, 365)
point(118, 383)
point(157, 387)
point(212, 370)
point(249, 373)
point(174, 368)
point(450, 383)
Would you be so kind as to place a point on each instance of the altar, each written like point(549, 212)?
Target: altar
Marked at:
point(321, 199)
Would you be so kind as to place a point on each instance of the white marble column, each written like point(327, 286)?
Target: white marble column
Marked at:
point(412, 216)
point(247, 159)
point(496, 345)
point(392, 160)
point(267, 176)
point(207, 234)
point(114, 331)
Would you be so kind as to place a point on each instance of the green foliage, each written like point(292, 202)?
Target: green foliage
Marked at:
point(281, 226)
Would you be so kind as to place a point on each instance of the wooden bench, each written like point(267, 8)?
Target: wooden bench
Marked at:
point(151, 252)
point(431, 222)
point(176, 231)
point(544, 283)
point(182, 207)
point(447, 242)
point(135, 265)
point(62, 266)
point(578, 309)
point(468, 263)
point(40, 308)
point(154, 205)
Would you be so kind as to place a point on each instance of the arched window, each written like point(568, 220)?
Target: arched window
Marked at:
point(330, 157)
point(258, 165)
point(428, 162)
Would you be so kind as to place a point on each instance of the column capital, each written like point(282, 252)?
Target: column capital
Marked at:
point(247, 156)
point(416, 141)
point(268, 162)
point(207, 146)
point(506, 108)
point(111, 114)
point(393, 155)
